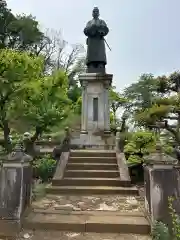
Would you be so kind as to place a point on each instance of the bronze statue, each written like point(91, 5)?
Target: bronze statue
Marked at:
point(96, 30)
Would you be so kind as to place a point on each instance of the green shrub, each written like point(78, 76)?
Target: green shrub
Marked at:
point(160, 231)
point(175, 220)
point(44, 168)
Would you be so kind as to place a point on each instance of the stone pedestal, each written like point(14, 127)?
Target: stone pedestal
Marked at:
point(95, 106)
point(15, 191)
point(161, 182)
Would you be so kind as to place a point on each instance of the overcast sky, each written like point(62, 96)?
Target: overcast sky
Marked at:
point(144, 34)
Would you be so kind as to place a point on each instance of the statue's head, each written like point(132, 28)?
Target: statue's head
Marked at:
point(95, 13)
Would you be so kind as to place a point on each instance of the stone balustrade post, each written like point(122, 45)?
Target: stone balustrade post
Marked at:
point(15, 190)
point(107, 85)
point(84, 107)
point(64, 146)
point(161, 181)
point(118, 135)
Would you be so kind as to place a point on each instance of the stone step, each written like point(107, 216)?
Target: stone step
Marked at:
point(91, 182)
point(92, 153)
point(92, 173)
point(60, 235)
point(90, 223)
point(91, 166)
point(88, 190)
point(94, 159)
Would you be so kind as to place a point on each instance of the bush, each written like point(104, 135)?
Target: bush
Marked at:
point(160, 231)
point(175, 219)
point(44, 168)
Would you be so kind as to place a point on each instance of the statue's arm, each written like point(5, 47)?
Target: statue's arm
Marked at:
point(104, 27)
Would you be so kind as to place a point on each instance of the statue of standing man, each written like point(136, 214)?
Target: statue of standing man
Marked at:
point(96, 30)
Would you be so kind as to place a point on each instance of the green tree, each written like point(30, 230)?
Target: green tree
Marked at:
point(141, 95)
point(6, 18)
point(142, 92)
point(25, 33)
point(141, 143)
point(17, 69)
point(45, 103)
point(18, 32)
point(165, 107)
point(117, 102)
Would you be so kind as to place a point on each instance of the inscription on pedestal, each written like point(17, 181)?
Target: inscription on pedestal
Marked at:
point(95, 109)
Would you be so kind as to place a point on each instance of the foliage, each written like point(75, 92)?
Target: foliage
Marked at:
point(25, 33)
point(164, 105)
point(117, 101)
point(141, 143)
point(160, 231)
point(41, 68)
point(45, 101)
point(175, 219)
point(17, 69)
point(74, 93)
point(141, 94)
point(6, 17)
point(18, 32)
point(44, 168)
point(77, 106)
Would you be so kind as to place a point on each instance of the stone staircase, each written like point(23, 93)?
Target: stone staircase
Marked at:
point(90, 197)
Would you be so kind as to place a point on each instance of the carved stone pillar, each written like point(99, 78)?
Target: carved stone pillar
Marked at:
point(84, 108)
point(106, 107)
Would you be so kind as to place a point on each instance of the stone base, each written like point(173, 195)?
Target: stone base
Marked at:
point(83, 132)
point(95, 114)
point(9, 228)
point(107, 132)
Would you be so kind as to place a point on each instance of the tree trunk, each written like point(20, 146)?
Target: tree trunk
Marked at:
point(7, 142)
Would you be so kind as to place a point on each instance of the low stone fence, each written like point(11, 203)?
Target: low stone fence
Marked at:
point(15, 191)
point(162, 181)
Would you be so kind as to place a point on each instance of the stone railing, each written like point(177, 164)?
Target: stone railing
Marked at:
point(121, 160)
point(64, 146)
point(16, 185)
point(61, 154)
point(15, 194)
point(161, 181)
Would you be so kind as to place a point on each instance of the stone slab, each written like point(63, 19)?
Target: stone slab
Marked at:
point(86, 223)
point(88, 190)
point(57, 235)
point(92, 160)
point(91, 213)
point(92, 173)
point(91, 182)
point(9, 228)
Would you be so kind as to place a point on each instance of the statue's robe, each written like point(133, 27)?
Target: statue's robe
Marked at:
point(95, 30)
